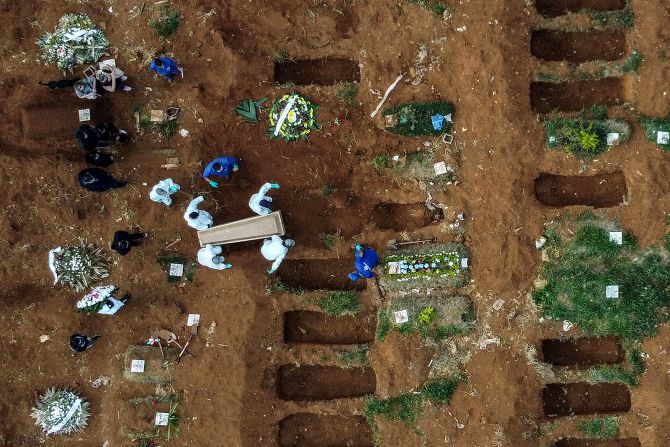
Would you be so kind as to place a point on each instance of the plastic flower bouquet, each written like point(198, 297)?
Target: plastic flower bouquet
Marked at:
point(75, 41)
point(61, 411)
point(292, 117)
point(423, 265)
point(93, 300)
point(78, 266)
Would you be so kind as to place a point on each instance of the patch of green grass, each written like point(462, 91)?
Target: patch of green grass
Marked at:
point(582, 137)
point(653, 125)
point(604, 428)
point(408, 407)
point(340, 302)
point(623, 18)
point(346, 93)
point(167, 128)
point(357, 357)
point(546, 77)
point(436, 7)
point(380, 162)
point(632, 64)
point(279, 286)
point(579, 269)
point(167, 23)
point(281, 56)
point(415, 119)
point(384, 325)
point(628, 373)
point(327, 190)
point(330, 240)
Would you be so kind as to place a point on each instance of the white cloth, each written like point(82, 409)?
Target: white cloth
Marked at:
point(273, 249)
point(166, 185)
point(204, 219)
point(106, 310)
point(205, 255)
point(255, 200)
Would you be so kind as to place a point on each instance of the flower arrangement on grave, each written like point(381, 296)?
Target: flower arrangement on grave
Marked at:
point(75, 41)
point(417, 119)
point(61, 411)
point(442, 264)
point(292, 117)
point(77, 267)
point(93, 300)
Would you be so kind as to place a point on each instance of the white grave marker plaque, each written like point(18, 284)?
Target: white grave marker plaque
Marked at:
point(464, 263)
point(401, 316)
point(176, 270)
point(440, 168)
point(616, 237)
point(613, 138)
point(612, 292)
point(137, 366)
point(84, 115)
point(662, 137)
point(193, 320)
point(162, 419)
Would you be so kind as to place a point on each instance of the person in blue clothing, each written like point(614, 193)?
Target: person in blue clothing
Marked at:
point(167, 67)
point(220, 167)
point(366, 261)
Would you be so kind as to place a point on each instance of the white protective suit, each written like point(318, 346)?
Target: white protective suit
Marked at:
point(166, 185)
point(273, 249)
point(207, 253)
point(204, 219)
point(255, 200)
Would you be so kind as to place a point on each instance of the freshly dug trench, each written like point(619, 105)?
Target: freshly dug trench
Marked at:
point(404, 216)
point(598, 191)
point(573, 96)
point(579, 46)
point(58, 120)
point(555, 8)
point(577, 442)
point(586, 351)
point(319, 274)
point(559, 399)
point(318, 430)
point(327, 71)
point(303, 326)
point(314, 382)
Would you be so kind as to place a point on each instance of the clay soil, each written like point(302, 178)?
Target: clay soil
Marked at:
point(587, 351)
point(479, 58)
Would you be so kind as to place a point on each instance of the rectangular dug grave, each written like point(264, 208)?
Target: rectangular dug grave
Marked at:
point(138, 416)
point(555, 8)
point(582, 352)
point(319, 274)
point(404, 216)
point(303, 326)
point(58, 121)
point(574, 96)
point(326, 71)
point(560, 399)
point(598, 191)
point(318, 430)
point(152, 370)
point(315, 382)
point(577, 46)
point(580, 442)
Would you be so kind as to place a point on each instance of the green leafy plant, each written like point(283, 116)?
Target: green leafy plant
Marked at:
point(281, 56)
point(173, 420)
point(604, 428)
point(436, 7)
point(327, 190)
point(380, 162)
point(653, 125)
point(340, 302)
point(279, 286)
point(249, 109)
point(356, 357)
point(346, 93)
point(427, 315)
point(633, 62)
point(583, 139)
point(330, 240)
point(167, 23)
point(622, 18)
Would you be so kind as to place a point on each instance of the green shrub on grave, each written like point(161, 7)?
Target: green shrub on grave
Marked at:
point(583, 137)
point(652, 126)
point(415, 119)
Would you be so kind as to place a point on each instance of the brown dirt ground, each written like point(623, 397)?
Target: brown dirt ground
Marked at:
point(229, 388)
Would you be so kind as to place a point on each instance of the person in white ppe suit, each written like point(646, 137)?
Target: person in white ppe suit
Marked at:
point(195, 218)
point(275, 249)
point(210, 256)
point(162, 191)
point(260, 202)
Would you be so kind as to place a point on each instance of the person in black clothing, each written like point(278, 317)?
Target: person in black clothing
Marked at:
point(99, 159)
point(91, 138)
point(98, 180)
point(123, 241)
point(80, 343)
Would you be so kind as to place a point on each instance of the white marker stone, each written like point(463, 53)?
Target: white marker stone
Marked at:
point(176, 270)
point(401, 316)
point(193, 320)
point(613, 138)
point(162, 419)
point(440, 168)
point(616, 237)
point(612, 292)
point(662, 137)
point(137, 366)
point(84, 115)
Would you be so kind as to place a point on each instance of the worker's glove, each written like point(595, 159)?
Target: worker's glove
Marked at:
point(174, 188)
point(214, 184)
point(236, 168)
point(274, 186)
point(270, 272)
point(228, 265)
